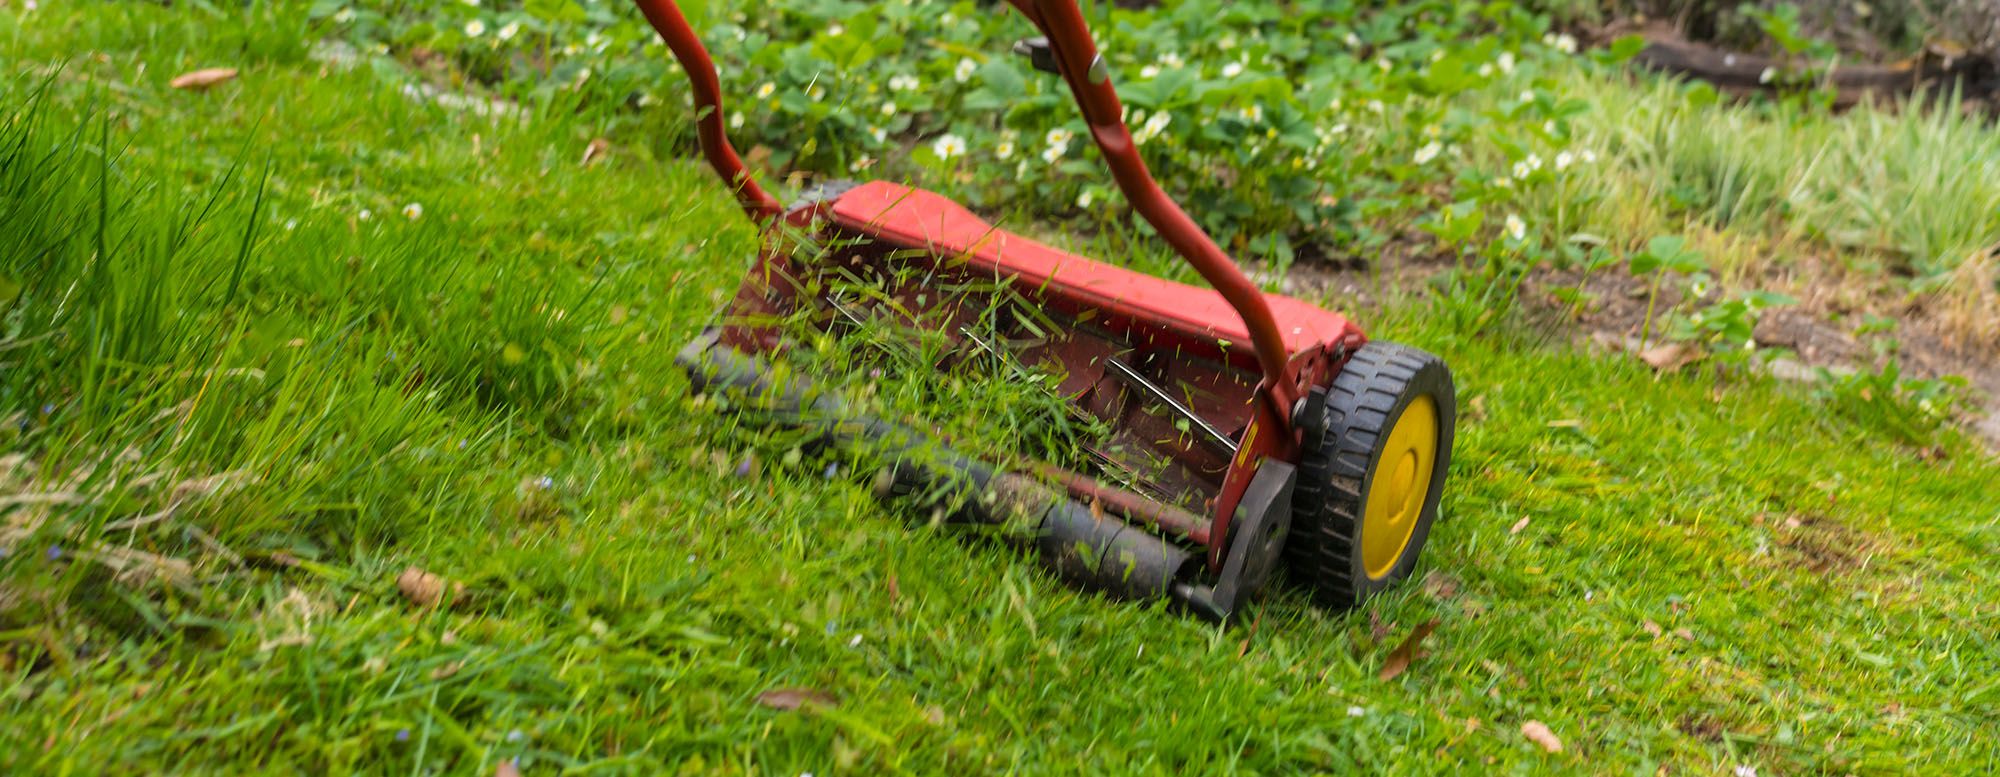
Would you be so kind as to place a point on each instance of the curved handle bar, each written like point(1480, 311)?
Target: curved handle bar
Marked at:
point(1090, 83)
point(673, 28)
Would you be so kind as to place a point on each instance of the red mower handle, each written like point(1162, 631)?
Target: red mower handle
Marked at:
point(1089, 81)
point(673, 28)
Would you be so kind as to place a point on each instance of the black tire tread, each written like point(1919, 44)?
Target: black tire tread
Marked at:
point(1328, 497)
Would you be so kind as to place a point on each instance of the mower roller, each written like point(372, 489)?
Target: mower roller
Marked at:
point(1253, 430)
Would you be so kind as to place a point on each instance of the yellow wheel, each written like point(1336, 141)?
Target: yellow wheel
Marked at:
point(1378, 444)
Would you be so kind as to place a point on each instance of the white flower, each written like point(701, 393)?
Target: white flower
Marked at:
point(1052, 154)
point(509, 30)
point(903, 82)
point(1004, 150)
point(1356, 711)
point(1766, 76)
point(1333, 105)
point(1522, 170)
point(736, 120)
point(413, 211)
point(1516, 228)
point(1563, 160)
point(766, 90)
point(1154, 125)
point(1253, 113)
point(1170, 59)
point(1353, 41)
point(1339, 129)
point(1149, 71)
point(835, 30)
point(365, 214)
point(1232, 70)
point(1375, 106)
point(1506, 62)
point(1563, 42)
point(817, 93)
point(855, 642)
point(948, 146)
point(1527, 95)
point(1084, 200)
point(1384, 64)
point(1589, 156)
point(343, 15)
point(475, 28)
point(889, 108)
point(1427, 153)
point(1059, 137)
point(862, 163)
point(1699, 288)
point(1486, 70)
point(963, 72)
point(880, 135)
point(1745, 771)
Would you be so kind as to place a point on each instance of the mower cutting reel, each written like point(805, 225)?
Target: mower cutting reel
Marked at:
point(1248, 430)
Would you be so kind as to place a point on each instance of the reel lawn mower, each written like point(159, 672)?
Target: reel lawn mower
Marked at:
point(1264, 430)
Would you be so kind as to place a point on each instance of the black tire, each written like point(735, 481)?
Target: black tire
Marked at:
point(1345, 431)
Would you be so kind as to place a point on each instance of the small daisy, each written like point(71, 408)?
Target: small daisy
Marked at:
point(948, 146)
point(1506, 62)
point(1517, 230)
point(1084, 200)
point(475, 28)
point(1003, 151)
point(413, 211)
point(365, 214)
point(766, 90)
point(509, 30)
point(1564, 159)
point(1427, 153)
point(903, 83)
point(889, 108)
point(963, 72)
point(1232, 70)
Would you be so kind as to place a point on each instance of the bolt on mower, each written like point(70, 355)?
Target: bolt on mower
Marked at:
point(1252, 429)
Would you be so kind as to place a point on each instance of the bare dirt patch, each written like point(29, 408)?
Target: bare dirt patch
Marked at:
point(1819, 331)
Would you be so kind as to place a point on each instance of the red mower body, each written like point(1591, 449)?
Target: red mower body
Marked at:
point(1209, 393)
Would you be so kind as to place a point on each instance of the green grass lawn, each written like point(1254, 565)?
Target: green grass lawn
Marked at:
point(243, 389)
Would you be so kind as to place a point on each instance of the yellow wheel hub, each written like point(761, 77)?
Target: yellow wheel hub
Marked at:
point(1398, 486)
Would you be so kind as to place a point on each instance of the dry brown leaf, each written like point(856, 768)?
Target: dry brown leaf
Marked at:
point(794, 698)
point(1519, 525)
point(507, 769)
point(1652, 628)
point(1670, 357)
point(425, 589)
point(1540, 734)
point(1439, 585)
point(198, 80)
point(446, 671)
point(1377, 628)
point(1400, 658)
point(1684, 634)
point(595, 151)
